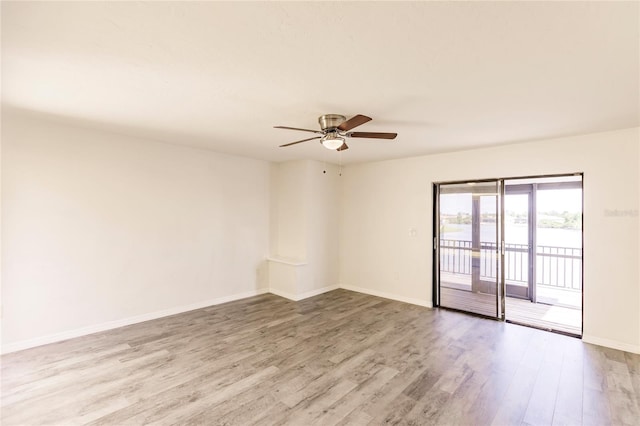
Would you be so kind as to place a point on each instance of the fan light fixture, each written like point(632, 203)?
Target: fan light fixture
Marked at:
point(332, 141)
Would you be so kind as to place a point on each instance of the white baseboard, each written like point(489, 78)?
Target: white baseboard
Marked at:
point(301, 296)
point(613, 344)
point(284, 294)
point(411, 300)
point(57, 337)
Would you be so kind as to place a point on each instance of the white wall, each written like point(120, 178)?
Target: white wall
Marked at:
point(99, 228)
point(305, 226)
point(289, 205)
point(383, 201)
point(323, 231)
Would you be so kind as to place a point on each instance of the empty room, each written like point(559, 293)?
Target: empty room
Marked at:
point(320, 213)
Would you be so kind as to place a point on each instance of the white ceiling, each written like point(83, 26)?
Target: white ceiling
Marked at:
point(444, 76)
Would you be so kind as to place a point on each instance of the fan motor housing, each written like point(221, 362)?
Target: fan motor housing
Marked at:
point(331, 121)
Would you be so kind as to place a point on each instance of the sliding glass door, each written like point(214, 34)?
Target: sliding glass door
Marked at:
point(511, 249)
point(470, 267)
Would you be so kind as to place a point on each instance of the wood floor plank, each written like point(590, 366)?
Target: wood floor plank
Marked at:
point(516, 400)
point(356, 418)
point(568, 405)
point(338, 358)
point(456, 409)
point(352, 401)
point(542, 403)
point(397, 411)
point(491, 397)
point(623, 408)
point(428, 411)
point(595, 408)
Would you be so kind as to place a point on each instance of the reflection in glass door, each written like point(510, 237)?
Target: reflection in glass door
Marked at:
point(469, 256)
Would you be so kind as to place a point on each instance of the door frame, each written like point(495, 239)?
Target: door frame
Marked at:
point(533, 208)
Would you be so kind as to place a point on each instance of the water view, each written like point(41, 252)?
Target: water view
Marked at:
point(515, 234)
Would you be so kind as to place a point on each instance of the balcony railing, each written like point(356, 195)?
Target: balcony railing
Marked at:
point(558, 267)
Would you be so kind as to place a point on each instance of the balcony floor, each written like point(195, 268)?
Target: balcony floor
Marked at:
point(558, 318)
point(551, 317)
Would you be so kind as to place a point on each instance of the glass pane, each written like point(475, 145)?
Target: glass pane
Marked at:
point(468, 247)
point(488, 240)
point(559, 247)
point(516, 236)
point(455, 241)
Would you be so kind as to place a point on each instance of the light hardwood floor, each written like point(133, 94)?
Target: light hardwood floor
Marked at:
point(338, 358)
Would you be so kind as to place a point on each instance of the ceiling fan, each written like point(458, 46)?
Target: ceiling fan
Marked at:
point(335, 128)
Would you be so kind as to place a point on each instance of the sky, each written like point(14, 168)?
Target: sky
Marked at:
point(548, 200)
